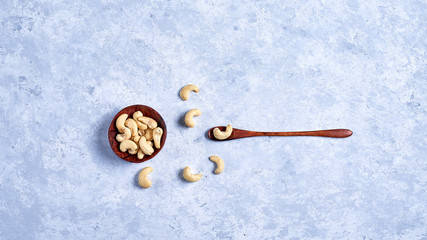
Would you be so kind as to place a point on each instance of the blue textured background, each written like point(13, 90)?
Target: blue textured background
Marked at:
point(67, 68)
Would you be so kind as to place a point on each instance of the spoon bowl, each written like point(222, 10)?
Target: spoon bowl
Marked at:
point(112, 132)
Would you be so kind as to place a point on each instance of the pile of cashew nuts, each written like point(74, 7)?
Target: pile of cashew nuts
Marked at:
point(137, 134)
point(146, 124)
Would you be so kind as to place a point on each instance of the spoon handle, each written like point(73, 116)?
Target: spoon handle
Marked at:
point(333, 133)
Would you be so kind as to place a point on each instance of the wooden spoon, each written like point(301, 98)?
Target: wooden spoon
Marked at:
point(239, 133)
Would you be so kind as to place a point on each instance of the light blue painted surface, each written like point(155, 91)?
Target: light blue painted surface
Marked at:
point(67, 68)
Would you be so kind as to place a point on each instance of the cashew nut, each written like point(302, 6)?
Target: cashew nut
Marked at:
point(143, 145)
point(150, 143)
point(151, 123)
point(220, 135)
point(128, 145)
point(133, 152)
point(143, 180)
point(141, 125)
point(140, 154)
point(120, 122)
point(185, 91)
point(136, 138)
point(130, 123)
point(189, 176)
point(149, 134)
point(124, 136)
point(136, 115)
point(189, 117)
point(157, 135)
point(219, 163)
point(141, 132)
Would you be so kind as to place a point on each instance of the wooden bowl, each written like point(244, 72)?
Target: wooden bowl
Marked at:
point(112, 132)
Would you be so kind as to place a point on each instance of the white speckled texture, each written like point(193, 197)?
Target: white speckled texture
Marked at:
point(67, 68)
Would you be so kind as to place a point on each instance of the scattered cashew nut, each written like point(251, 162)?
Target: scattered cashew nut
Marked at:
point(189, 117)
point(220, 135)
point(219, 163)
point(151, 123)
point(157, 135)
point(185, 91)
point(131, 124)
point(189, 176)
point(124, 136)
point(128, 145)
point(120, 122)
point(143, 145)
point(143, 180)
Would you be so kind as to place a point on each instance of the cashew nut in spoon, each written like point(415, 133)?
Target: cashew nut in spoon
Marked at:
point(185, 91)
point(219, 163)
point(124, 136)
point(143, 180)
point(131, 124)
point(150, 143)
point(189, 121)
point(189, 176)
point(151, 123)
point(128, 145)
point(143, 145)
point(120, 122)
point(220, 135)
point(157, 135)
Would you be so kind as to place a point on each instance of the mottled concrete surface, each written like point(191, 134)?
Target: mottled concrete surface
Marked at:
point(67, 68)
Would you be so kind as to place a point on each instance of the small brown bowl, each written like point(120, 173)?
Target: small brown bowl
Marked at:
point(112, 132)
